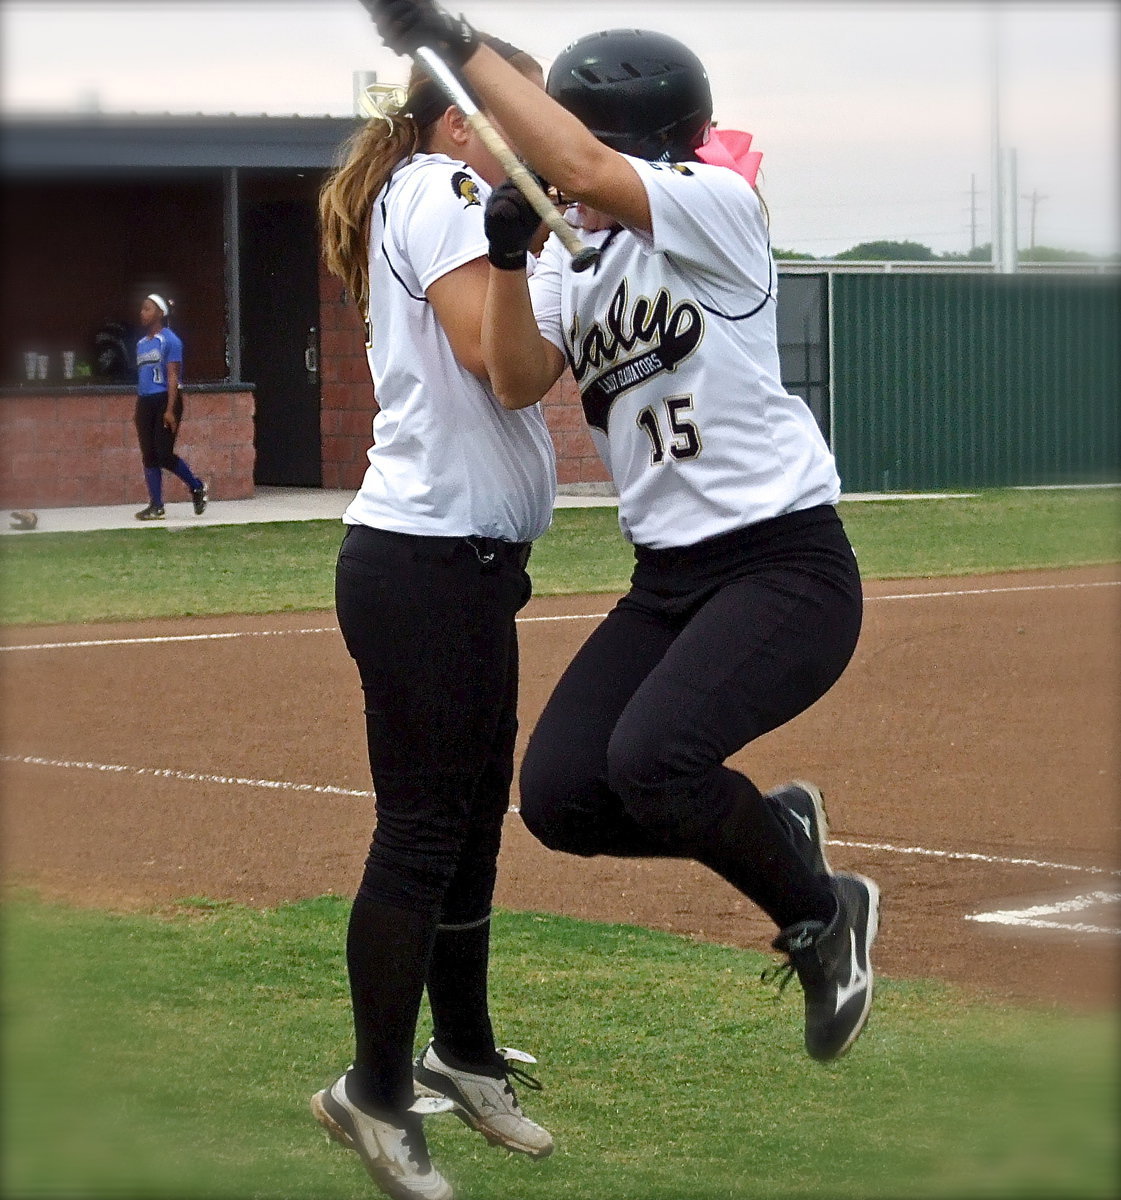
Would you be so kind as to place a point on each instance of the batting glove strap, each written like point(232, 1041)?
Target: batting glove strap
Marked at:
point(507, 260)
point(405, 25)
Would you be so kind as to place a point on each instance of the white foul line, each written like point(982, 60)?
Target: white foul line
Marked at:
point(999, 591)
point(181, 637)
point(328, 790)
point(599, 616)
point(965, 856)
point(278, 785)
point(1033, 917)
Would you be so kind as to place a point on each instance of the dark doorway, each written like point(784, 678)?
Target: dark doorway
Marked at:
point(279, 325)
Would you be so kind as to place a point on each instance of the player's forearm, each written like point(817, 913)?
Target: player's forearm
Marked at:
point(517, 357)
point(551, 140)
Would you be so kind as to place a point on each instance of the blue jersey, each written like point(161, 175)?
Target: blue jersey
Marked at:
point(152, 356)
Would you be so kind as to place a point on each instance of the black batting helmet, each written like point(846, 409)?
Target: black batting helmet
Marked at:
point(640, 93)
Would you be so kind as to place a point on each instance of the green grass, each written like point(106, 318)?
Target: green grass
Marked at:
point(172, 1055)
point(125, 574)
point(129, 574)
point(993, 531)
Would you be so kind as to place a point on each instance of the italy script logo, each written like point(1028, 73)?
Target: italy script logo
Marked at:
point(668, 334)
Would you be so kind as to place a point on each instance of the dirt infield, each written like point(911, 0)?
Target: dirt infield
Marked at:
point(970, 760)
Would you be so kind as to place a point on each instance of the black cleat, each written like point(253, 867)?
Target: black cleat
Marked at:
point(799, 807)
point(833, 963)
point(199, 497)
point(154, 512)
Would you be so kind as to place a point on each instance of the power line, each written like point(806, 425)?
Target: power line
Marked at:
point(1035, 197)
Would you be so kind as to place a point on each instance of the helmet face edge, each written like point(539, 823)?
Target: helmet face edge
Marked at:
point(639, 92)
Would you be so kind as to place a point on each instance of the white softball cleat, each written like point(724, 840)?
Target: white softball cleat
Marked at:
point(393, 1151)
point(486, 1103)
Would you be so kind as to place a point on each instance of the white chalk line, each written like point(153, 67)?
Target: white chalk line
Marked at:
point(181, 637)
point(277, 785)
point(1000, 591)
point(1034, 917)
point(598, 616)
point(328, 790)
point(966, 856)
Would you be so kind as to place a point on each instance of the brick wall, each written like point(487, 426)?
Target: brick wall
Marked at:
point(348, 405)
point(60, 450)
point(577, 460)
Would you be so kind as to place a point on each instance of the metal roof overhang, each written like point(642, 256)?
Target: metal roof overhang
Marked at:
point(77, 144)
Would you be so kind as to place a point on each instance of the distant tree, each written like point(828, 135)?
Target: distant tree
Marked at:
point(888, 251)
point(1041, 254)
point(977, 254)
point(1054, 254)
point(788, 254)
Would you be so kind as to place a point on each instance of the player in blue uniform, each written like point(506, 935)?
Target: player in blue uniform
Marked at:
point(159, 407)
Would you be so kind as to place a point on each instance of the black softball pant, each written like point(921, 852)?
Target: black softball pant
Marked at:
point(714, 645)
point(430, 623)
point(157, 442)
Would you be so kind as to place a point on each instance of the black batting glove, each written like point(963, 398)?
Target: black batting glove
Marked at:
point(406, 24)
point(510, 223)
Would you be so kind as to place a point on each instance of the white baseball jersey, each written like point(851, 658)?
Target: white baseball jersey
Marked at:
point(448, 459)
point(672, 341)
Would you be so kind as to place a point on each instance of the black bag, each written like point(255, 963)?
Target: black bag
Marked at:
point(114, 353)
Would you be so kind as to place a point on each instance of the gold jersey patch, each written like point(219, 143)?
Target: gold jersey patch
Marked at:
point(466, 188)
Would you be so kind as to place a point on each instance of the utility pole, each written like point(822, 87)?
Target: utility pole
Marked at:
point(973, 211)
point(1035, 197)
point(1009, 242)
point(996, 198)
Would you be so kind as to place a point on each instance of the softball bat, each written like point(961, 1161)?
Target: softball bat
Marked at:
point(583, 256)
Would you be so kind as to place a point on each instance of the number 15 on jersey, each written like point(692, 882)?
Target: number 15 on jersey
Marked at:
point(685, 438)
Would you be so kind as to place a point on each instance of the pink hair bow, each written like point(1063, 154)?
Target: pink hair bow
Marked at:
point(731, 148)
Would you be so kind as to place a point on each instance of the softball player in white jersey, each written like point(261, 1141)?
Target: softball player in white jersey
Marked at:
point(430, 576)
point(745, 604)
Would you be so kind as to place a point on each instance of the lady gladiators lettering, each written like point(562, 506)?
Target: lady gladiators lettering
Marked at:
point(672, 331)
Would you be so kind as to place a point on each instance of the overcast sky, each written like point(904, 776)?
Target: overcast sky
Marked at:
point(873, 118)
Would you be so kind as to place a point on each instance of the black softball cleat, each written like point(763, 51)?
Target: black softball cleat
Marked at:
point(799, 807)
point(834, 965)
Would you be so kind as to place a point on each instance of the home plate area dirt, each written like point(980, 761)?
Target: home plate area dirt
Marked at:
point(969, 759)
